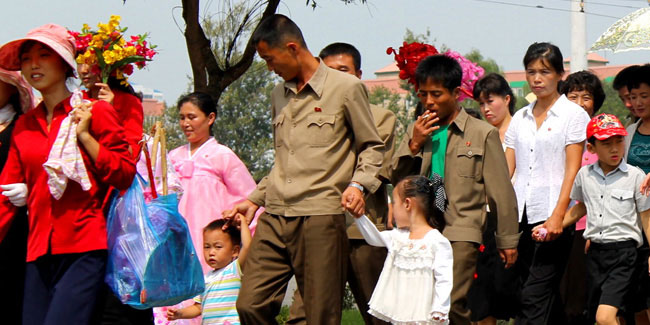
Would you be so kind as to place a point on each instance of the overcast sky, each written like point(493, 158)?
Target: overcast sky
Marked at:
point(500, 31)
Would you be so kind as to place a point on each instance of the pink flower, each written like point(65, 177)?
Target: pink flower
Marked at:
point(472, 72)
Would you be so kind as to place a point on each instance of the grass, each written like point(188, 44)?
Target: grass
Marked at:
point(349, 317)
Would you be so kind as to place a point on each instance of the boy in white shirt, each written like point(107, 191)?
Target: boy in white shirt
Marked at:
point(608, 192)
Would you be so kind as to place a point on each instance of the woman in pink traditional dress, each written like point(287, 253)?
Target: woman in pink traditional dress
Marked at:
point(212, 175)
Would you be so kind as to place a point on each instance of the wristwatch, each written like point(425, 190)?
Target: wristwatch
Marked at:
point(358, 186)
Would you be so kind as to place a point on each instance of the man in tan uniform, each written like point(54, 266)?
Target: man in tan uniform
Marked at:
point(365, 262)
point(474, 169)
point(327, 154)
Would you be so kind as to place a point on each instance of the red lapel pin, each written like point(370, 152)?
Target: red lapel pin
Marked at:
point(468, 143)
point(317, 109)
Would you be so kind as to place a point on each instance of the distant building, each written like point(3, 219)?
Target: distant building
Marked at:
point(387, 77)
point(595, 63)
point(153, 102)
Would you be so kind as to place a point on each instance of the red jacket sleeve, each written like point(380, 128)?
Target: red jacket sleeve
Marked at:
point(114, 165)
point(131, 116)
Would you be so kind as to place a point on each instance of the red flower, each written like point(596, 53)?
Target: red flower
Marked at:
point(409, 56)
point(128, 69)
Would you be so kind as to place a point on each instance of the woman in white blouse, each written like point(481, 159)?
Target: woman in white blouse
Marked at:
point(544, 145)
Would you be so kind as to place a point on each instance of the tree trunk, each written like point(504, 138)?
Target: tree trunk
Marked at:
point(208, 76)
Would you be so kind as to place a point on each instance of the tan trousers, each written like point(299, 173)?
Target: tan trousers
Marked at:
point(364, 267)
point(314, 248)
point(465, 257)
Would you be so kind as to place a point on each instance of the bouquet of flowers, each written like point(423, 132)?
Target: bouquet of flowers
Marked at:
point(108, 52)
point(410, 54)
point(408, 57)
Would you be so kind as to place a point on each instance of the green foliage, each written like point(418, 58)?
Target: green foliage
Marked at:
point(386, 98)
point(613, 104)
point(244, 119)
point(348, 299)
point(488, 64)
point(229, 30)
point(283, 316)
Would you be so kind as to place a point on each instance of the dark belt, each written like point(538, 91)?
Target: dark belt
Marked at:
point(614, 245)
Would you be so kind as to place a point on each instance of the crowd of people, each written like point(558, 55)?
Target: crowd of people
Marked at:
point(538, 215)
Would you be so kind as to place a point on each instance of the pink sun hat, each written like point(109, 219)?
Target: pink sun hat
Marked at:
point(15, 79)
point(54, 36)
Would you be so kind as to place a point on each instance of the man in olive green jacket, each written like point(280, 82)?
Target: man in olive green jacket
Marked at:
point(470, 157)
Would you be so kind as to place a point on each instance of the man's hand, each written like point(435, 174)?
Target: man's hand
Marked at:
point(508, 256)
point(247, 208)
point(422, 129)
point(352, 201)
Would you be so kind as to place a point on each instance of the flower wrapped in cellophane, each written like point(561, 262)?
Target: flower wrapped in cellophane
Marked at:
point(108, 52)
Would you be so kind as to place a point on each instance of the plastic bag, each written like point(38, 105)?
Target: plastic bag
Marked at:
point(151, 261)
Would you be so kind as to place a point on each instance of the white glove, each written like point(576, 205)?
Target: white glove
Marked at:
point(17, 193)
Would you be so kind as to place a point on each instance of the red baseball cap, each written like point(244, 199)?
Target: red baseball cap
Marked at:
point(604, 126)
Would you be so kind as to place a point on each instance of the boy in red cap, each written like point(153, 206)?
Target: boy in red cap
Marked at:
point(608, 192)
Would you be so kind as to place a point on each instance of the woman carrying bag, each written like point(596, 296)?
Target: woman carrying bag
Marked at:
point(66, 251)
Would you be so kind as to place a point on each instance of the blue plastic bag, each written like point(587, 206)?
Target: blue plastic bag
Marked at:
point(151, 258)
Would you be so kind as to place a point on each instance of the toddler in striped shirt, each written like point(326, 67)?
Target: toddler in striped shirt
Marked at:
point(225, 251)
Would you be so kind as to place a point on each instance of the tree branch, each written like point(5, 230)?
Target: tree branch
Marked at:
point(235, 71)
point(204, 64)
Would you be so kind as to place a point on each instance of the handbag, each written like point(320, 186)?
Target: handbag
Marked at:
point(151, 258)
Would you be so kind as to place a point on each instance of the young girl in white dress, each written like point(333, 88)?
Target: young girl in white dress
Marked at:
point(415, 284)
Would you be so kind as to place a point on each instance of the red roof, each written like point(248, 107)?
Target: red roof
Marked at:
point(152, 107)
point(390, 83)
point(594, 57)
point(389, 68)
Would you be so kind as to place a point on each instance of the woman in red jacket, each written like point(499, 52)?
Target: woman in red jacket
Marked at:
point(66, 250)
point(123, 98)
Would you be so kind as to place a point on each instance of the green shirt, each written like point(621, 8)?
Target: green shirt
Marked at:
point(438, 150)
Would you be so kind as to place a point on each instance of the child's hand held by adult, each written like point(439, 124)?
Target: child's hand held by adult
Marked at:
point(352, 201)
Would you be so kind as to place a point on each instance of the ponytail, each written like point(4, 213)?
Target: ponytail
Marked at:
point(431, 196)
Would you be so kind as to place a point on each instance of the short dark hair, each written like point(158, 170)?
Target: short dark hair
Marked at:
point(587, 81)
point(439, 68)
point(638, 76)
point(342, 48)
point(623, 76)
point(545, 52)
point(277, 29)
point(591, 140)
point(494, 84)
point(202, 100)
point(231, 231)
